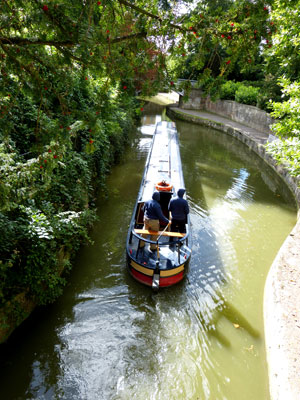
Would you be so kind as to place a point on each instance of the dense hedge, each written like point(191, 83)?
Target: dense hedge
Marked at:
point(49, 172)
point(256, 93)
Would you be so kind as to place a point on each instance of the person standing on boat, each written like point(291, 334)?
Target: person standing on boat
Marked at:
point(179, 209)
point(152, 215)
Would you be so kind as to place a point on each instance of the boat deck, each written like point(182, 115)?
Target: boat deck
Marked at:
point(168, 256)
point(164, 161)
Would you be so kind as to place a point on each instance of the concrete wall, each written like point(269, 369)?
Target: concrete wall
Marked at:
point(194, 102)
point(245, 114)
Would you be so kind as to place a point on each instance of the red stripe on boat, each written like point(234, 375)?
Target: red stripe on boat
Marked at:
point(163, 282)
point(146, 280)
point(171, 280)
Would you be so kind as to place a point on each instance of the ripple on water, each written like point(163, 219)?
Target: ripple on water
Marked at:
point(92, 345)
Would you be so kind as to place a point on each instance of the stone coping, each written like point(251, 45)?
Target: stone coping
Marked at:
point(282, 287)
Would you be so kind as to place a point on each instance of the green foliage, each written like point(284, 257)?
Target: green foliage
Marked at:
point(241, 92)
point(283, 61)
point(288, 112)
point(68, 76)
point(287, 152)
point(228, 90)
point(44, 200)
point(269, 91)
point(225, 40)
point(44, 43)
point(283, 54)
point(247, 95)
point(51, 165)
point(257, 93)
point(31, 242)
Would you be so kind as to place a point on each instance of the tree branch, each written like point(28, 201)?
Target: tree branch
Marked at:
point(66, 43)
point(129, 37)
point(69, 54)
point(23, 41)
point(140, 10)
point(153, 16)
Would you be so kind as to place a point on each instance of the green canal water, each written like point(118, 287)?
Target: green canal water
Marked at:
point(110, 338)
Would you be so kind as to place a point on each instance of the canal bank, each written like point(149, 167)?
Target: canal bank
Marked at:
point(282, 289)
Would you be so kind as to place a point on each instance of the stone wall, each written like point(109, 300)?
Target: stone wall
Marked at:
point(194, 102)
point(242, 113)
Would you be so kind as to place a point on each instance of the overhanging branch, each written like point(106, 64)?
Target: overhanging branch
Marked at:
point(18, 41)
point(153, 16)
point(129, 37)
point(23, 41)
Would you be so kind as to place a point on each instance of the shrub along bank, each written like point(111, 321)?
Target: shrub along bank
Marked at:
point(52, 164)
point(253, 93)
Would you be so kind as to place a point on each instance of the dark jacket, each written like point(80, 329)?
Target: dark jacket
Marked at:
point(179, 206)
point(152, 208)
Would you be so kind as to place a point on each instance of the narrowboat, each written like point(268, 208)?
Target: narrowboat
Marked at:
point(168, 264)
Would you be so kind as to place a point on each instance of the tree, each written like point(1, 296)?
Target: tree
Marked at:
point(225, 38)
point(283, 55)
point(283, 60)
point(42, 41)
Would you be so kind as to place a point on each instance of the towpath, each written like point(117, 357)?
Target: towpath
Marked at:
point(206, 116)
point(282, 289)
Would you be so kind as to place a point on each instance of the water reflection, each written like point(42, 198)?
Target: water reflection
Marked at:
point(239, 188)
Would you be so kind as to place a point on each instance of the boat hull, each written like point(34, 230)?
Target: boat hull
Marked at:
point(166, 277)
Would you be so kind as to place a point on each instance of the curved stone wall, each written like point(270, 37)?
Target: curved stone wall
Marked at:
point(248, 115)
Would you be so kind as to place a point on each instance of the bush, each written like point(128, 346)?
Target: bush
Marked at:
point(257, 93)
point(247, 95)
point(287, 113)
point(228, 90)
point(286, 152)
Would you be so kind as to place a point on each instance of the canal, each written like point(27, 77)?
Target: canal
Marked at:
point(110, 338)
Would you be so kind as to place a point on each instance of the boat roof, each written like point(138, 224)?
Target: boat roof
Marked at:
point(163, 162)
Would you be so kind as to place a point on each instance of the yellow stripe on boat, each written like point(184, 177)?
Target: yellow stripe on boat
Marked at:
point(157, 233)
point(171, 272)
point(141, 269)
